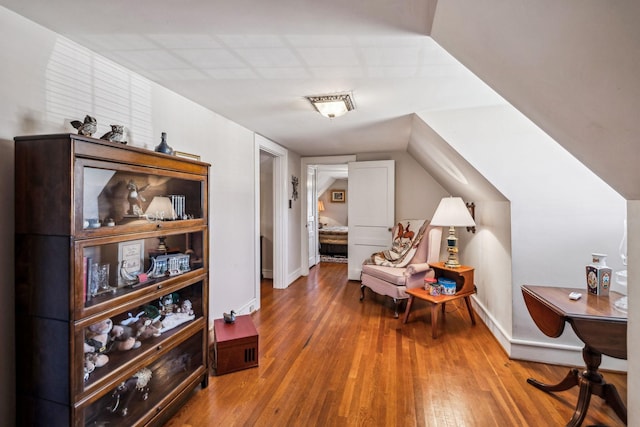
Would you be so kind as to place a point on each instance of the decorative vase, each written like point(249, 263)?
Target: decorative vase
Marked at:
point(163, 147)
point(598, 275)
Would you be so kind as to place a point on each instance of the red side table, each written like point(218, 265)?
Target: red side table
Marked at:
point(235, 345)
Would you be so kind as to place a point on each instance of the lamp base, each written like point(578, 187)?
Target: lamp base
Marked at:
point(452, 248)
point(452, 263)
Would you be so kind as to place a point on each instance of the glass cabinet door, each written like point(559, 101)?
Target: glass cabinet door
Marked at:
point(137, 399)
point(108, 271)
point(110, 199)
point(134, 332)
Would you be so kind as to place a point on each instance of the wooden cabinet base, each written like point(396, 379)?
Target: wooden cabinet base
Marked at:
point(235, 346)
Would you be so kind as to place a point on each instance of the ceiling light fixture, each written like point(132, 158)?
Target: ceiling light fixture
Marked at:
point(334, 105)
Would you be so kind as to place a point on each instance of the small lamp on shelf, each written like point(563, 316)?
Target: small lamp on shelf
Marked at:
point(452, 212)
point(160, 209)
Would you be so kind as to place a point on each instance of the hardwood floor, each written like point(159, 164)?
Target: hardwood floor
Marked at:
point(326, 359)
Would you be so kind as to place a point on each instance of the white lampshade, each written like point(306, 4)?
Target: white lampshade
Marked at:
point(452, 212)
point(161, 208)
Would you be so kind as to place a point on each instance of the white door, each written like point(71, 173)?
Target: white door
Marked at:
point(371, 195)
point(312, 216)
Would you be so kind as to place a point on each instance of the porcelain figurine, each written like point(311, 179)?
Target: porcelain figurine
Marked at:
point(116, 134)
point(86, 128)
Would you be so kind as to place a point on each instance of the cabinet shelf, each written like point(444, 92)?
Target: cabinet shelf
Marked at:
point(123, 364)
point(112, 249)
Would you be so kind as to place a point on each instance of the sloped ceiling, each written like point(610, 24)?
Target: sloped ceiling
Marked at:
point(570, 66)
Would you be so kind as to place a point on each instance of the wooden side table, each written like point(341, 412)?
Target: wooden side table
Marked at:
point(598, 324)
point(463, 276)
point(235, 345)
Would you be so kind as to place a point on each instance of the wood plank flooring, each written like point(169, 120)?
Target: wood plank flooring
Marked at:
point(326, 359)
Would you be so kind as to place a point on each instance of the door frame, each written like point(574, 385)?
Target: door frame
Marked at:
point(280, 217)
point(304, 235)
point(312, 189)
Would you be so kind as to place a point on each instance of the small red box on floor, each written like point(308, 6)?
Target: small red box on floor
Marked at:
point(235, 345)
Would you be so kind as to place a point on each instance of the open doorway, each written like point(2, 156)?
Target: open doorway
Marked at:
point(332, 203)
point(278, 189)
point(266, 215)
point(309, 236)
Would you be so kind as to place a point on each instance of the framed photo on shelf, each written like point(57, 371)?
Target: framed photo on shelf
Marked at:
point(132, 254)
point(338, 196)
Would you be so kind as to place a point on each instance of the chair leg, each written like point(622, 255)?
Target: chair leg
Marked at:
point(361, 292)
point(396, 302)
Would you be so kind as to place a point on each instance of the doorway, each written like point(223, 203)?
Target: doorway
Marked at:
point(332, 204)
point(266, 215)
point(279, 160)
point(310, 200)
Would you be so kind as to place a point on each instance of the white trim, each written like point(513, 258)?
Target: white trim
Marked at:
point(247, 308)
point(304, 235)
point(503, 337)
point(293, 276)
point(280, 255)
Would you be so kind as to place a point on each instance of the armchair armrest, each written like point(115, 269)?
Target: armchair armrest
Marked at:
point(417, 268)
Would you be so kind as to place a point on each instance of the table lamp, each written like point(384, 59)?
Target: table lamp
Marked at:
point(161, 209)
point(452, 212)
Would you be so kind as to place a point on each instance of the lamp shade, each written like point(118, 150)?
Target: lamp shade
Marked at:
point(161, 208)
point(320, 206)
point(452, 212)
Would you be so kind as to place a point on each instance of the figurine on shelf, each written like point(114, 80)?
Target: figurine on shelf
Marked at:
point(186, 307)
point(134, 197)
point(123, 394)
point(169, 304)
point(86, 128)
point(116, 134)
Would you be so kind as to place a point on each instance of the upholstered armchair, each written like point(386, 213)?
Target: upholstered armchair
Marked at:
point(393, 281)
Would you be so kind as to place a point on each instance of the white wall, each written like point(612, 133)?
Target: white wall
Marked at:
point(561, 212)
point(489, 250)
point(27, 108)
point(417, 193)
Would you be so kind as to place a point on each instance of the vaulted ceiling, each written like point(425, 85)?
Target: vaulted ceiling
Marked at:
point(571, 66)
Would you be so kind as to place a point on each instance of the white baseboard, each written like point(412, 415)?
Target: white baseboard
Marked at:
point(293, 276)
point(267, 274)
point(540, 351)
point(249, 307)
point(498, 332)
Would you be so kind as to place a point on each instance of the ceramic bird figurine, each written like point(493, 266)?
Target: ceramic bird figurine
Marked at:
point(116, 134)
point(86, 128)
point(229, 317)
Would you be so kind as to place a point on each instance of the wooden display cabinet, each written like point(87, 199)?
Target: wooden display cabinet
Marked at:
point(92, 217)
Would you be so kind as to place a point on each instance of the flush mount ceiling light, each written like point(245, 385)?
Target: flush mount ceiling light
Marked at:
point(334, 105)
